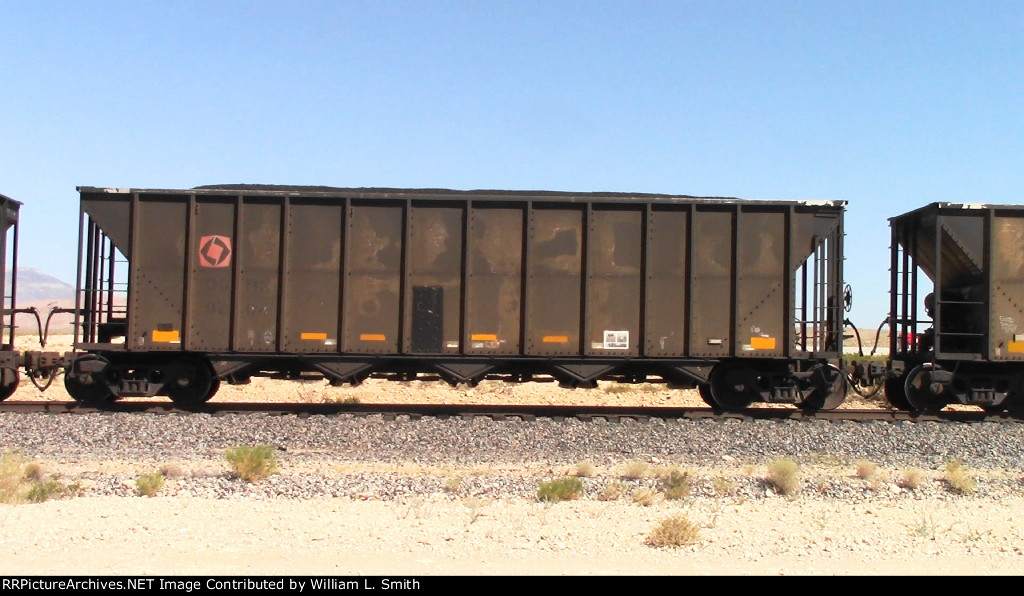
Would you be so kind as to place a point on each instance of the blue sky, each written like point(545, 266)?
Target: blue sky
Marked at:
point(887, 105)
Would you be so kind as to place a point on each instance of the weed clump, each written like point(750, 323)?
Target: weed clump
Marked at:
point(613, 491)
point(252, 463)
point(585, 469)
point(644, 497)
point(148, 485)
point(958, 478)
point(560, 489)
point(634, 470)
point(22, 482)
point(724, 487)
point(866, 469)
point(911, 479)
point(784, 475)
point(677, 485)
point(673, 532)
point(50, 489)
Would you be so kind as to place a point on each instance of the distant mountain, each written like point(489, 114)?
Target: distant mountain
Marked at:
point(36, 286)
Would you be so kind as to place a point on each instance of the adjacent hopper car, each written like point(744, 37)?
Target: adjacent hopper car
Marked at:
point(957, 308)
point(182, 290)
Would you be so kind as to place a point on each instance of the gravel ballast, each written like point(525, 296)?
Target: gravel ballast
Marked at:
point(366, 494)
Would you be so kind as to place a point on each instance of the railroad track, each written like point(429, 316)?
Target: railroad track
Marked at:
point(498, 412)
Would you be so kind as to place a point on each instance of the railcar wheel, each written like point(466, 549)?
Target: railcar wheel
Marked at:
point(829, 389)
point(733, 387)
point(214, 386)
point(8, 382)
point(1014, 402)
point(88, 388)
point(191, 383)
point(920, 391)
point(895, 392)
point(705, 393)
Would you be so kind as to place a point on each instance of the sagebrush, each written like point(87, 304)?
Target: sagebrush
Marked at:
point(674, 531)
point(252, 463)
point(148, 485)
point(25, 482)
point(784, 475)
point(560, 489)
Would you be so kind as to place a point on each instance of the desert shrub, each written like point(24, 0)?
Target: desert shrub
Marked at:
point(644, 497)
point(22, 482)
point(724, 486)
point(171, 471)
point(634, 469)
point(148, 485)
point(612, 491)
point(784, 475)
point(51, 489)
point(674, 531)
point(12, 478)
point(33, 472)
point(252, 463)
point(911, 478)
point(677, 485)
point(958, 478)
point(560, 489)
point(453, 484)
point(866, 469)
point(585, 469)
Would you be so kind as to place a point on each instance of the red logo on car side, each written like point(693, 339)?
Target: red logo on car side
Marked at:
point(214, 251)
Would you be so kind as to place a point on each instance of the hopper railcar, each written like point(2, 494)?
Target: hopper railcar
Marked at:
point(180, 290)
point(957, 308)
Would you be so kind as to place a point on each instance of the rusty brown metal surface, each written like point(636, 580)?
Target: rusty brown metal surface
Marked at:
point(578, 285)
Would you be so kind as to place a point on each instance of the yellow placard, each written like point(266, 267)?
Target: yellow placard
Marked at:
point(319, 336)
point(762, 343)
point(165, 337)
point(483, 337)
point(372, 337)
point(556, 339)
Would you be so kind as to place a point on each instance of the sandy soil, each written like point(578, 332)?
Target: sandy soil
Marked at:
point(170, 536)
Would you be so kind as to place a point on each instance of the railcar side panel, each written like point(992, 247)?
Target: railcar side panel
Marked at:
point(259, 263)
point(1006, 317)
point(312, 276)
point(614, 265)
point(762, 283)
point(554, 281)
point(373, 278)
point(666, 312)
point(210, 299)
point(494, 282)
point(433, 300)
point(711, 289)
point(156, 313)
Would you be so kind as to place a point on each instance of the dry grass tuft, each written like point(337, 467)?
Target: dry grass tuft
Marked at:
point(585, 469)
point(613, 491)
point(866, 470)
point(784, 475)
point(634, 469)
point(149, 485)
point(911, 479)
point(252, 463)
point(958, 478)
point(674, 532)
point(645, 497)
